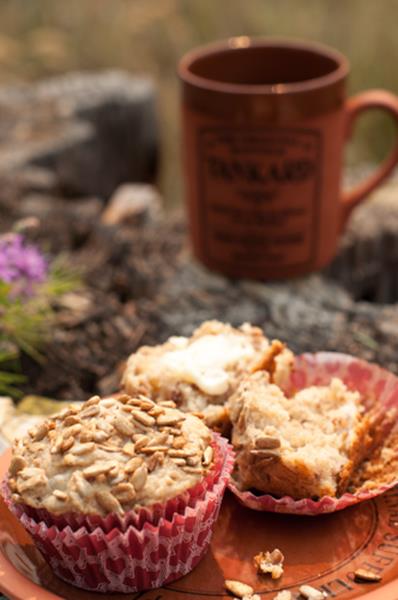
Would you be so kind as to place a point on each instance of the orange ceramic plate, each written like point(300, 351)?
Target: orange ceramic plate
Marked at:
point(322, 551)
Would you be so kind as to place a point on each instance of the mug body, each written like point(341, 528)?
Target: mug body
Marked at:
point(263, 136)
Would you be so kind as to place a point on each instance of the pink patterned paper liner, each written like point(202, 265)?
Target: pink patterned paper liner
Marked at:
point(137, 518)
point(373, 382)
point(138, 558)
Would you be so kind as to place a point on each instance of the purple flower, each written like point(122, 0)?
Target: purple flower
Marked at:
point(22, 265)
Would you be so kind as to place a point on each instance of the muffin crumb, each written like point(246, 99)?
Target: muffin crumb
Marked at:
point(270, 563)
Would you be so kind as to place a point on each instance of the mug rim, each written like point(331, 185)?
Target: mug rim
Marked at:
point(245, 42)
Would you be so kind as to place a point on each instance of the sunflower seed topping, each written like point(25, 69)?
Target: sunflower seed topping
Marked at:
point(237, 588)
point(169, 419)
point(363, 575)
point(139, 478)
point(267, 442)
point(208, 456)
point(123, 426)
point(108, 502)
point(60, 495)
point(99, 457)
point(143, 418)
point(311, 593)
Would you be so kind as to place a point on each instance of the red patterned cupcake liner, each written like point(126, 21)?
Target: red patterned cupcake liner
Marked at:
point(136, 558)
point(136, 518)
point(375, 384)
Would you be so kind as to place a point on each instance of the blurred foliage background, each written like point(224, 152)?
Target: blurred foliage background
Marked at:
point(39, 38)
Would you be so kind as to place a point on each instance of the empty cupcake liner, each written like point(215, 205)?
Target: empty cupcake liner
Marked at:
point(146, 514)
point(375, 384)
point(136, 558)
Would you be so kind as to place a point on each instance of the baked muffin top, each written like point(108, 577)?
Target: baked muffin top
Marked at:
point(203, 370)
point(109, 456)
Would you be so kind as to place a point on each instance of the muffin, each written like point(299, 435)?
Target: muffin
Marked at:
point(126, 475)
point(304, 446)
point(200, 373)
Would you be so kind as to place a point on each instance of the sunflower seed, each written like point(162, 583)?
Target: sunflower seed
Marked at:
point(179, 461)
point(67, 444)
point(80, 449)
point(109, 447)
point(90, 411)
point(168, 404)
point(364, 575)
point(155, 460)
point(284, 595)
point(39, 432)
point(180, 453)
point(32, 483)
point(123, 426)
point(76, 501)
point(70, 460)
point(152, 449)
point(114, 472)
point(311, 593)
point(133, 464)
point(118, 479)
point(108, 502)
point(139, 478)
point(146, 404)
point(267, 442)
point(124, 492)
point(72, 431)
point(105, 426)
point(208, 456)
point(71, 420)
point(129, 449)
point(17, 464)
point(12, 484)
point(169, 419)
point(60, 495)
point(238, 588)
point(143, 418)
point(81, 484)
point(179, 442)
point(92, 401)
point(108, 402)
point(123, 398)
point(156, 411)
point(141, 442)
point(100, 436)
point(98, 469)
point(265, 454)
point(193, 470)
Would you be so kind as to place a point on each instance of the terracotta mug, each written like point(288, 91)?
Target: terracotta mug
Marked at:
point(265, 123)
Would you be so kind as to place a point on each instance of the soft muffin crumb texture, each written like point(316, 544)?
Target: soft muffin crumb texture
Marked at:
point(306, 445)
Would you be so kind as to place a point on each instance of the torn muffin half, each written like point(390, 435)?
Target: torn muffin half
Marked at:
point(200, 373)
point(304, 446)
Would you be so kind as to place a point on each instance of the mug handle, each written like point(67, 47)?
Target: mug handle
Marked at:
point(354, 107)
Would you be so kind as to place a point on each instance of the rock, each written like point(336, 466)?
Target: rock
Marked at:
point(92, 131)
point(132, 204)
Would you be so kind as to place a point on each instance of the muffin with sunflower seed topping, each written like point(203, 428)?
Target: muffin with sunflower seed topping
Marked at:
point(200, 373)
point(124, 466)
